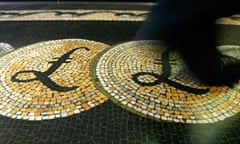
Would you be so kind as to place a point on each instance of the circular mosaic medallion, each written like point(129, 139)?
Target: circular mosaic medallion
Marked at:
point(49, 80)
point(148, 79)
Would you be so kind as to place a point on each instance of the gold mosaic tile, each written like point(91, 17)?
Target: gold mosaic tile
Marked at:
point(49, 80)
point(148, 79)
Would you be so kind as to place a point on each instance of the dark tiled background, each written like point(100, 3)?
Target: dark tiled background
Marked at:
point(107, 123)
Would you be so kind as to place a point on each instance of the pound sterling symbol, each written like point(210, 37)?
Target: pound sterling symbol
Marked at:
point(164, 77)
point(44, 76)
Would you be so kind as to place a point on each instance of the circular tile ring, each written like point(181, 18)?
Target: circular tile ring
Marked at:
point(49, 80)
point(148, 79)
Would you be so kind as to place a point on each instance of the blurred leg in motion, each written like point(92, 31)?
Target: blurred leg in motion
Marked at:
point(189, 27)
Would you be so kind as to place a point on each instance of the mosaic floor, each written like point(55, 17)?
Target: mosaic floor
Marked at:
point(52, 79)
point(76, 77)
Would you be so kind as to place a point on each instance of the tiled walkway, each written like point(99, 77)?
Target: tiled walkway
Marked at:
point(74, 80)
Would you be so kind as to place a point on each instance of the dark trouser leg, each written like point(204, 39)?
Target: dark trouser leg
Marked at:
point(170, 13)
point(189, 27)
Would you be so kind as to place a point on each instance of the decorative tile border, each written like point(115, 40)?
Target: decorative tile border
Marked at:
point(49, 80)
point(53, 15)
point(147, 79)
point(95, 15)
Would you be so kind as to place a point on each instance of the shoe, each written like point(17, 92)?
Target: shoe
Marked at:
point(223, 70)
